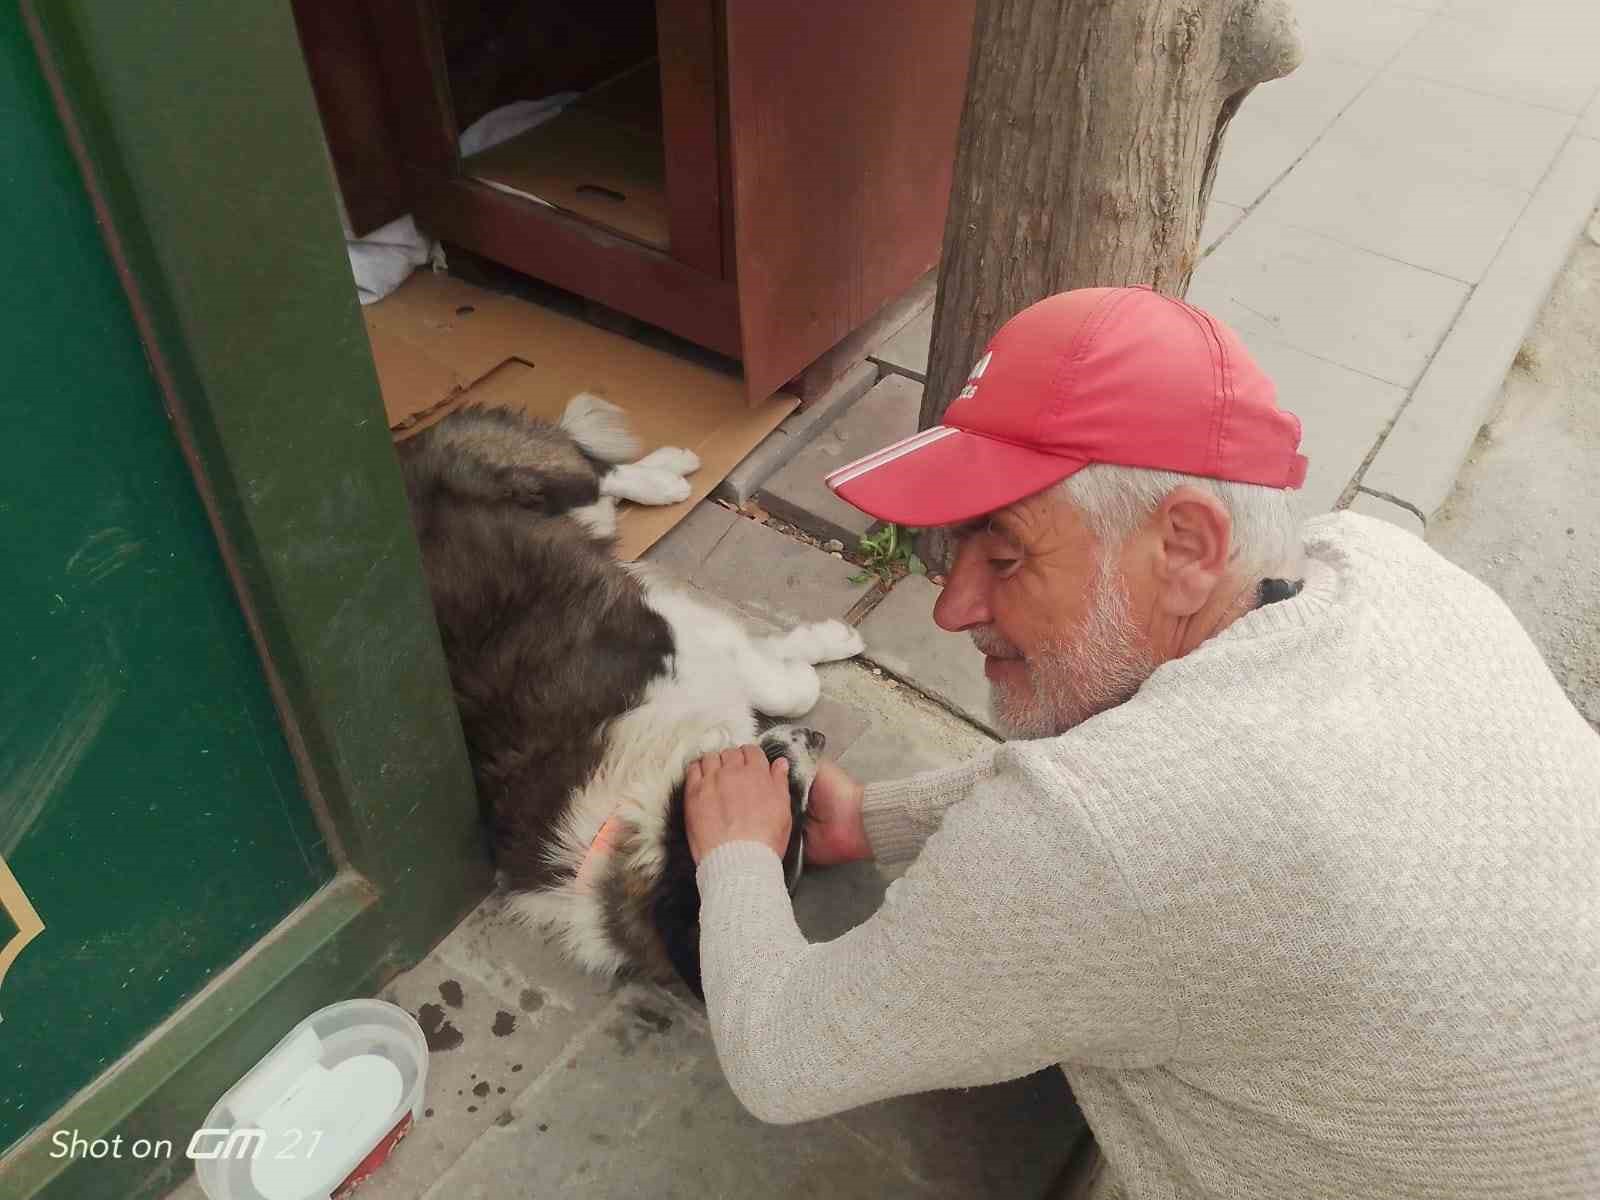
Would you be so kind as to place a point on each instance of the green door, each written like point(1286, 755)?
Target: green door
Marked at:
point(150, 808)
point(232, 781)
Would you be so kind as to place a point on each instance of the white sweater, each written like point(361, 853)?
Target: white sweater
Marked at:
point(1315, 914)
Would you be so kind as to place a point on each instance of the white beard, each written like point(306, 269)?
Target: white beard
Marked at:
point(1074, 677)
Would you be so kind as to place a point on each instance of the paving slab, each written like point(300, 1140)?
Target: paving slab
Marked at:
point(1559, 14)
point(906, 733)
point(778, 578)
point(1363, 31)
point(1470, 134)
point(1369, 505)
point(647, 1113)
point(798, 494)
point(1420, 458)
point(1399, 205)
point(1221, 217)
point(907, 351)
point(900, 635)
point(498, 1006)
point(1342, 413)
point(897, 733)
point(984, 1142)
point(842, 722)
point(1590, 125)
point(1550, 62)
point(1350, 306)
point(794, 433)
point(1280, 121)
point(690, 542)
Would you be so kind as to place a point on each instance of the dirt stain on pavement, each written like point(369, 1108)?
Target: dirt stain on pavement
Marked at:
point(437, 1030)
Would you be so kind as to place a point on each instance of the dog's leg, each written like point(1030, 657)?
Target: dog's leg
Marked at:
point(778, 687)
point(644, 485)
point(671, 458)
point(599, 518)
point(818, 642)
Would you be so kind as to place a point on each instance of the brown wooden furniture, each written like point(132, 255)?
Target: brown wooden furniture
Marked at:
point(798, 181)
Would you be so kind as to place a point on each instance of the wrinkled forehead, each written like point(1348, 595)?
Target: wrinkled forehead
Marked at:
point(1022, 522)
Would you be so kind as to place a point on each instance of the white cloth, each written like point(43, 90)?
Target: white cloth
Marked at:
point(508, 121)
point(384, 259)
point(1316, 913)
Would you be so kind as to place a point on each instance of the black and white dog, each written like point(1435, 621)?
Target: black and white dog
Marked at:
point(586, 686)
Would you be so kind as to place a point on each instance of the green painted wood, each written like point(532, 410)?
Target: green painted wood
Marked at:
point(331, 946)
point(200, 146)
point(148, 803)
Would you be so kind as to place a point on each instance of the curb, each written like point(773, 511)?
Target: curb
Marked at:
point(1417, 463)
point(794, 434)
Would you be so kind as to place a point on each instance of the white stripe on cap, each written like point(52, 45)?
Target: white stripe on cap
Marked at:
point(887, 455)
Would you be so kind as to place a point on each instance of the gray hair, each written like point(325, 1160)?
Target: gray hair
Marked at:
point(1116, 500)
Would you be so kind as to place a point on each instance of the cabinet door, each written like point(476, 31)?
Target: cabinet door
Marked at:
point(842, 127)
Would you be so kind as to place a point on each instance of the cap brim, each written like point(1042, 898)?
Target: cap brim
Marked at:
point(944, 475)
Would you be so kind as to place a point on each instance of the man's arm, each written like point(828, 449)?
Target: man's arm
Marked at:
point(900, 815)
point(1009, 944)
point(888, 821)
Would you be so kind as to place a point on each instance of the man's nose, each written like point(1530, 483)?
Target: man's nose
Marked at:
point(964, 602)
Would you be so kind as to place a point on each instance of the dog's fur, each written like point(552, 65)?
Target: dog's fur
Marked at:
point(586, 686)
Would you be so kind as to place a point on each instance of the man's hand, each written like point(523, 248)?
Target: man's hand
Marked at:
point(735, 796)
point(835, 832)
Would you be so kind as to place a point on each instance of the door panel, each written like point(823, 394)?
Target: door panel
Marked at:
point(843, 118)
point(227, 678)
point(149, 808)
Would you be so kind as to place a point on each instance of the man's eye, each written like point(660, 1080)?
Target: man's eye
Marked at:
point(1003, 565)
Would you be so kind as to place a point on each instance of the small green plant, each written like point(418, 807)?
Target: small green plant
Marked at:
point(887, 553)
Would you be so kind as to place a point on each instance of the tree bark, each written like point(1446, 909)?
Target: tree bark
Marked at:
point(1088, 146)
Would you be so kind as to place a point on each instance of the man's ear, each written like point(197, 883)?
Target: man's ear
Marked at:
point(1194, 541)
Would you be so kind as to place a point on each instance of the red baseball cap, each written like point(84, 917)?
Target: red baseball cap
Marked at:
point(1111, 375)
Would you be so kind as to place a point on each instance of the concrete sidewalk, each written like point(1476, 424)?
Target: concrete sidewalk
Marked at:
point(1387, 222)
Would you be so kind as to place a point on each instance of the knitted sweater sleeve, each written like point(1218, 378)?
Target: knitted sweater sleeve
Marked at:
point(1011, 943)
point(902, 814)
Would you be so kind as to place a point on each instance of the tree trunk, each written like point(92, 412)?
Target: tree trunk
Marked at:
point(1088, 146)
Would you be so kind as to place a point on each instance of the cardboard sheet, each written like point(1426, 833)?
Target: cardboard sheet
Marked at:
point(440, 343)
point(602, 159)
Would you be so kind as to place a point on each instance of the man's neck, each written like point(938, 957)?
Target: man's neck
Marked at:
point(1227, 606)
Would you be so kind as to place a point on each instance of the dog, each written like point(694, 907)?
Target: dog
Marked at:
point(586, 686)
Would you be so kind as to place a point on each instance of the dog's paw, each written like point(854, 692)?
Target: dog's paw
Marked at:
point(671, 458)
point(669, 489)
point(644, 485)
point(828, 641)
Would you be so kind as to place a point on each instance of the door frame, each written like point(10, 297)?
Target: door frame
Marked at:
point(201, 149)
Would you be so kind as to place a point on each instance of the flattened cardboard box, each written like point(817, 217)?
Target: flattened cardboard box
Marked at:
point(439, 343)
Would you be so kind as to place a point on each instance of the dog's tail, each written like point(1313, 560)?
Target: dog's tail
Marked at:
point(600, 427)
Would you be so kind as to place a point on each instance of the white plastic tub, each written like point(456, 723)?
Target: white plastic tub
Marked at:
point(324, 1098)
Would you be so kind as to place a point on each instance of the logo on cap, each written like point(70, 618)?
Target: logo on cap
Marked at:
point(971, 390)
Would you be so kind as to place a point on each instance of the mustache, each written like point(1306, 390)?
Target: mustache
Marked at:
point(991, 643)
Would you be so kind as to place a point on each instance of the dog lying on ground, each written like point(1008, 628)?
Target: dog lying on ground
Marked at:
point(586, 686)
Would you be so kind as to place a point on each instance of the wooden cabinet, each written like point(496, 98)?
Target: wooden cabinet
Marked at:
point(756, 177)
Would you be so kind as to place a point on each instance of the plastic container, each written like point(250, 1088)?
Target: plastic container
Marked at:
point(333, 1096)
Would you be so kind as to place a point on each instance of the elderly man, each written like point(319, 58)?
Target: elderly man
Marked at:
point(1293, 862)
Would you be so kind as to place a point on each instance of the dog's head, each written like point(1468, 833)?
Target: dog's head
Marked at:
point(800, 747)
